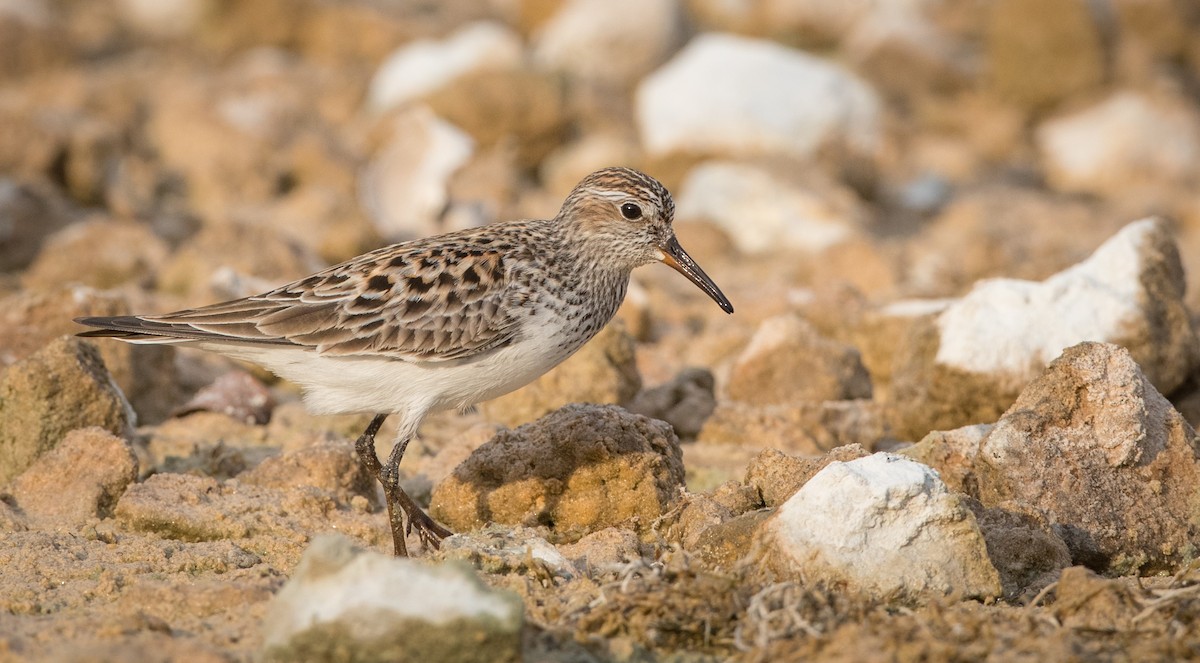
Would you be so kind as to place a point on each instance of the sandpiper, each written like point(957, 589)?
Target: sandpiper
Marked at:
point(443, 322)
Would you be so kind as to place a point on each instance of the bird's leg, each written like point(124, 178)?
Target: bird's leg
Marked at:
point(430, 533)
point(399, 504)
point(365, 446)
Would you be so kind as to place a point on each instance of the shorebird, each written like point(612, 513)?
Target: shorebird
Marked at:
point(442, 322)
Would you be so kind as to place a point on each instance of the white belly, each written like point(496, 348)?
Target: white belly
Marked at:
point(338, 385)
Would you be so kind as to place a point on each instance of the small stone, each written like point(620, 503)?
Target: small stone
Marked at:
point(776, 476)
point(348, 604)
point(101, 253)
point(422, 66)
point(730, 95)
point(886, 527)
point(579, 469)
point(406, 186)
point(603, 550)
point(685, 402)
point(1088, 602)
point(62, 387)
point(146, 374)
point(81, 478)
point(763, 213)
point(1026, 551)
point(1122, 143)
point(497, 550)
point(609, 42)
point(952, 453)
point(332, 467)
point(803, 427)
point(788, 361)
point(236, 394)
point(1059, 39)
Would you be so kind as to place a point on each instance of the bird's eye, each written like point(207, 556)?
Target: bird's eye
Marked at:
point(631, 211)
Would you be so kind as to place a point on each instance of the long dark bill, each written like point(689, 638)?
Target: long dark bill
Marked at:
point(676, 257)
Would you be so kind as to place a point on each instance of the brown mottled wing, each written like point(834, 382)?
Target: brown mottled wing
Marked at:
point(422, 301)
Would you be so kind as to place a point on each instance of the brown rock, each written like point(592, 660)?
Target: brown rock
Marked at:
point(722, 545)
point(603, 550)
point(695, 514)
point(578, 470)
point(79, 479)
point(1025, 551)
point(237, 394)
point(1093, 448)
point(101, 253)
point(1088, 602)
point(146, 373)
point(208, 443)
point(777, 476)
point(809, 428)
point(31, 214)
point(788, 361)
point(62, 387)
point(1058, 39)
point(331, 467)
point(604, 371)
point(952, 453)
point(525, 107)
point(685, 402)
point(248, 250)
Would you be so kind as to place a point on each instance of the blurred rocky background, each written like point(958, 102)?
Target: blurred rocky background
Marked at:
point(962, 377)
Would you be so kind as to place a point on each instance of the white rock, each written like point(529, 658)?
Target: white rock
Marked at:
point(1125, 140)
point(509, 547)
point(733, 95)
point(164, 18)
point(1016, 327)
point(886, 526)
point(424, 65)
point(761, 213)
point(405, 187)
point(372, 600)
point(609, 41)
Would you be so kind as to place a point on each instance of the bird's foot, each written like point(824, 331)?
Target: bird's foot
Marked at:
point(399, 505)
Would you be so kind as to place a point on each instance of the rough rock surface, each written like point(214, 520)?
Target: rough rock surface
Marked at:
point(962, 367)
point(146, 374)
point(952, 453)
point(882, 525)
point(604, 371)
point(1093, 448)
point(1026, 551)
point(577, 470)
point(787, 361)
point(776, 476)
point(81, 478)
point(62, 387)
point(331, 467)
point(343, 603)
